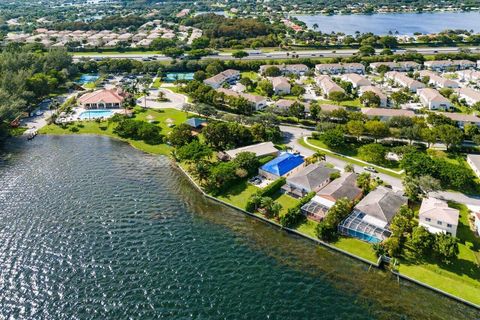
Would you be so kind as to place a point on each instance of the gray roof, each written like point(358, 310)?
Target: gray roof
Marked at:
point(345, 186)
point(382, 203)
point(311, 177)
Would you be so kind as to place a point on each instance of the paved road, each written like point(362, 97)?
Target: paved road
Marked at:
point(270, 55)
point(293, 134)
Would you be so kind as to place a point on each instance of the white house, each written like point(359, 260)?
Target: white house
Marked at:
point(469, 75)
point(437, 217)
point(438, 81)
point(470, 96)
point(327, 85)
point(403, 80)
point(281, 85)
point(228, 76)
point(356, 80)
point(257, 102)
point(461, 119)
point(433, 100)
point(401, 66)
point(442, 65)
point(286, 69)
point(337, 68)
point(378, 92)
point(474, 162)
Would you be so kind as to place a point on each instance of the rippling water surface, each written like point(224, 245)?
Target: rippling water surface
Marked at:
point(93, 229)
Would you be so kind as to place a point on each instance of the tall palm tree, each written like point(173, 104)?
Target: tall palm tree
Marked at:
point(315, 26)
point(319, 155)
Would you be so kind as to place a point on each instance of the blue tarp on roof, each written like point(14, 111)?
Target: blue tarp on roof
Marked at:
point(195, 122)
point(283, 164)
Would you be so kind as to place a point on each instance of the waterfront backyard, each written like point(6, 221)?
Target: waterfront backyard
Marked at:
point(164, 118)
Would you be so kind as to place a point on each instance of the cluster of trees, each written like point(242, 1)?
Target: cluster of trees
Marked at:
point(234, 32)
point(139, 130)
point(294, 215)
point(218, 176)
point(450, 175)
point(327, 229)
point(262, 200)
point(408, 237)
point(27, 76)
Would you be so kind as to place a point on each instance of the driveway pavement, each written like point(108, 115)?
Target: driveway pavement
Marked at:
point(175, 100)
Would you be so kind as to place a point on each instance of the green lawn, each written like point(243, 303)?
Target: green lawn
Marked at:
point(351, 151)
point(95, 53)
point(105, 128)
point(286, 201)
point(238, 194)
point(347, 103)
point(254, 76)
point(351, 245)
point(462, 276)
point(157, 83)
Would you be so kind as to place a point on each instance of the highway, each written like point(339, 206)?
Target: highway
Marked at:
point(269, 55)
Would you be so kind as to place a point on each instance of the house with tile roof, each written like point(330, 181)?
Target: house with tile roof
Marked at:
point(371, 217)
point(227, 76)
point(400, 66)
point(102, 99)
point(437, 217)
point(433, 100)
point(403, 80)
point(281, 85)
point(343, 187)
point(312, 178)
point(437, 81)
point(356, 80)
point(328, 85)
point(383, 97)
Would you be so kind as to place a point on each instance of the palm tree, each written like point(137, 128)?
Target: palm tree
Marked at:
point(315, 26)
point(320, 156)
point(145, 92)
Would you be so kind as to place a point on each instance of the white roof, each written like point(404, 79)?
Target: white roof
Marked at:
point(437, 209)
point(260, 149)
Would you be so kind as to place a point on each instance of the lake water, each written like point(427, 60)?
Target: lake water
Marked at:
point(404, 23)
point(91, 228)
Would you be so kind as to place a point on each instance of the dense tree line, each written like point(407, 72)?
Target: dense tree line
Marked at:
point(27, 76)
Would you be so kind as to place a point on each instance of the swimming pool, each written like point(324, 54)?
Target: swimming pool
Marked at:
point(86, 78)
point(95, 114)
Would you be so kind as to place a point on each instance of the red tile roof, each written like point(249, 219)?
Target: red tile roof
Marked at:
point(104, 96)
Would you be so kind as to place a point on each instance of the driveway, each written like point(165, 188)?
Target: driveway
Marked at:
point(175, 100)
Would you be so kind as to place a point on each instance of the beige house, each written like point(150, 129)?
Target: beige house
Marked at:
point(327, 85)
point(102, 99)
point(281, 85)
point(433, 100)
point(437, 217)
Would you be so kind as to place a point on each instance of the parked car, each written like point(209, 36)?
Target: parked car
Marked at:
point(370, 169)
